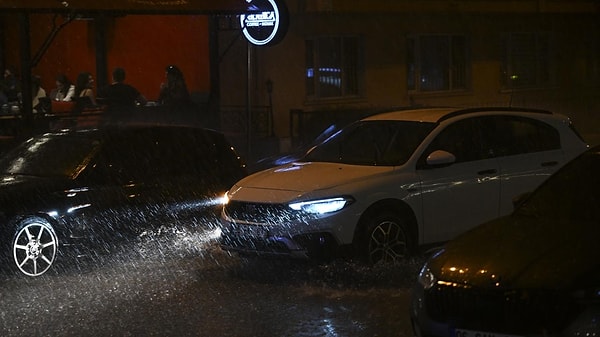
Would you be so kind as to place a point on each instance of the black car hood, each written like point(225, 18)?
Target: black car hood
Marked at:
point(521, 252)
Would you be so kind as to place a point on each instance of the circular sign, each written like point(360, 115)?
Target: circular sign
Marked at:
point(265, 23)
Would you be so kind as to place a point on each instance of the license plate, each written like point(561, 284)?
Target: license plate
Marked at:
point(249, 232)
point(472, 333)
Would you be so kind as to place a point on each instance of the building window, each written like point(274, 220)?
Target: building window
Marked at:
point(528, 62)
point(593, 61)
point(332, 67)
point(437, 63)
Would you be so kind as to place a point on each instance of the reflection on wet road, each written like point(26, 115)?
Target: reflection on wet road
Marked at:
point(186, 288)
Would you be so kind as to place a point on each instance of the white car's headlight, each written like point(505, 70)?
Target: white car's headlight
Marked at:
point(322, 206)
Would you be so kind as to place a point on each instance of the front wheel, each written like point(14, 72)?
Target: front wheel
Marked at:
point(34, 246)
point(387, 239)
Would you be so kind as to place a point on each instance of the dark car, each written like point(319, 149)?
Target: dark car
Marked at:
point(535, 272)
point(93, 190)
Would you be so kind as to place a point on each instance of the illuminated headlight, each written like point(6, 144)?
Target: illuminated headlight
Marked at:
point(224, 199)
point(322, 206)
point(426, 277)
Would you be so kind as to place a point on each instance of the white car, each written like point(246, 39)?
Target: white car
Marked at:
point(391, 183)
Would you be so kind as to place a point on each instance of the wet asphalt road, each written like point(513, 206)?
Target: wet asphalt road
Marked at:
point(187, 286)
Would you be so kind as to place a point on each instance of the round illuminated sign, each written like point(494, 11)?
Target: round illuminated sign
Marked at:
point(265, 23)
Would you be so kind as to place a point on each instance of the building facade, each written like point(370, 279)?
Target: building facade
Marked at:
point(343, 59)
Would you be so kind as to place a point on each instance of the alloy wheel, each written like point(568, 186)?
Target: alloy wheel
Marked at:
point(34, 248)
point(387, 243)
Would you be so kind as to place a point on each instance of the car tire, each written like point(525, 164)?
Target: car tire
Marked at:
point(386, 238)
point(34, 246)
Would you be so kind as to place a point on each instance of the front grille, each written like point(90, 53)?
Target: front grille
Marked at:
point(254, 244)
point(260, 213)
point(505, 311)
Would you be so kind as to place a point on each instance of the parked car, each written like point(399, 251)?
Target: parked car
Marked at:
point(393, 182)
point(85, 190)
point(535, 272)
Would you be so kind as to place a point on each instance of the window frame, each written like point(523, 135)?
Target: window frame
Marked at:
point(415, 54)
point(543, 56)
point(351, 70)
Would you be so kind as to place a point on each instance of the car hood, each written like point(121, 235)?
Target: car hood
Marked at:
point(287, 182)
point(521, 252)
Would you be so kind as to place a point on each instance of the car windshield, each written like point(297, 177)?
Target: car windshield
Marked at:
point(381, 143)
point(49, 155)
point(573, 193)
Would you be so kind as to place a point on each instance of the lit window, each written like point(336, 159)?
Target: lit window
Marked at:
point(332, 67)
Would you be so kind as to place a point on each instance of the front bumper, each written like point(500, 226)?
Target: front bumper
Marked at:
point(255, 240)
point(583, 322)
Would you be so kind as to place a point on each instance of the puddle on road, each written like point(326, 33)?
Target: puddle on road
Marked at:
point(340, 274)
point(167, 284)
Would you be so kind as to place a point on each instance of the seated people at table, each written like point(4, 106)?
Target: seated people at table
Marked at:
point(64, 90)
point(120, 97)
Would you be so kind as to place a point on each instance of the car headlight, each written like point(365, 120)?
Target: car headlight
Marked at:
point(426, 278)
point(322, 206)
point(224, 199)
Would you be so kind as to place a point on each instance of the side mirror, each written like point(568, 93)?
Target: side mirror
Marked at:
point(439, 158)
point(519, 199)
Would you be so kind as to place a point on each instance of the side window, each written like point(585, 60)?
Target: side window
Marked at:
point(182, 154)
point(462, 139)
point(513, 135)
point(121, 162)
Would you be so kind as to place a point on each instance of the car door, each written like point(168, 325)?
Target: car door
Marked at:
point(528, 152)
point(186, 170)
point(119, 198)
point(461, 195)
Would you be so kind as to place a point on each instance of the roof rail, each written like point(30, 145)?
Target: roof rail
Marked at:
point(484, 109)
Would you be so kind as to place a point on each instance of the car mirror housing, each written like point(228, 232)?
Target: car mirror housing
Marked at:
point(440, 158)
point(519, 199)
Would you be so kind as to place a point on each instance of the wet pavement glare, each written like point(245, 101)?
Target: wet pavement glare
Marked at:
point(188, 286)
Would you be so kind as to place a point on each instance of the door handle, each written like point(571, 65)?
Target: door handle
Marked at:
point(486, 172)
point(549, 163)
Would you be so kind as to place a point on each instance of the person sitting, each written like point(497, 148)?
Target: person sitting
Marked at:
point(84, 93)
point(10, 85)
point(119, 97)
point(39, 100)
point(64, 90)
point(174, 93)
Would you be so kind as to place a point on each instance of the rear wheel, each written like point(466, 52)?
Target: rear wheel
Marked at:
point(386, 239)
point(34, 246)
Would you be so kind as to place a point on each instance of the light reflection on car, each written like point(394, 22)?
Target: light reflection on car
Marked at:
point(535, 272)
point(82, 192)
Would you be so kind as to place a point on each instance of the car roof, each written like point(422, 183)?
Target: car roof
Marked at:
point(436, 115)
point(132, 127)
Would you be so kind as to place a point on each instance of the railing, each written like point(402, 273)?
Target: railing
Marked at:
point(235, 119)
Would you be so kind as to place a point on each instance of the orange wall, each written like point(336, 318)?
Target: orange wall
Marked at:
point(142, 44)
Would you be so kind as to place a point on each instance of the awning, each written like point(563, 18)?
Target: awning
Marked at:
point(129, 6)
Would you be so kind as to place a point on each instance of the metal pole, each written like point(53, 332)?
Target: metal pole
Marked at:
point(248, 103)
point(25, 56)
